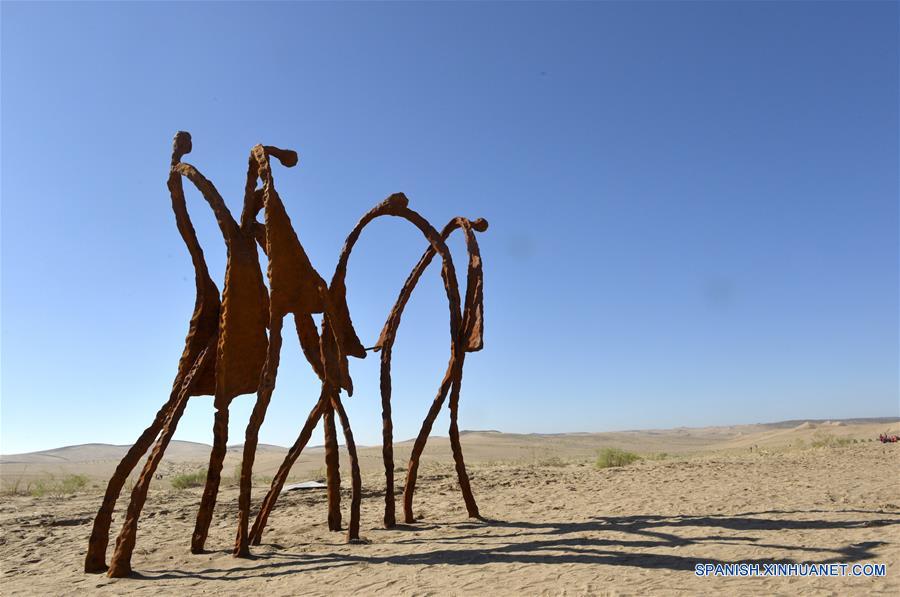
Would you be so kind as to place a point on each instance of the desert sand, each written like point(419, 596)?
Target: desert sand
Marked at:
point(554, 522)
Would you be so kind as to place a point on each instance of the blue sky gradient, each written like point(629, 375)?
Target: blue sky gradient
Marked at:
point(693, 206)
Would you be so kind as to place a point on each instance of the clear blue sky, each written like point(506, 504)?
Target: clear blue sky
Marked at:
point(693, 206)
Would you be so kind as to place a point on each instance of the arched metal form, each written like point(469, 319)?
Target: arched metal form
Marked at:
point(466, 336)
point(234, 342)
point(396, 205)
point(469, 338)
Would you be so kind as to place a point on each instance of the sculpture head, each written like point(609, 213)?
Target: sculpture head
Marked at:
point(396, 201)
point(181, 145)
point(287, 157)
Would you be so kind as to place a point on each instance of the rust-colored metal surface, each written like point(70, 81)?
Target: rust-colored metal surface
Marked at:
point(202, 331)
point(234, 343)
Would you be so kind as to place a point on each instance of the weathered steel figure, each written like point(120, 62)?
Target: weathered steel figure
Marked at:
point(298, 289)
point(466, 334)
point(228, 353)
point(202, 331)
point(232, 358)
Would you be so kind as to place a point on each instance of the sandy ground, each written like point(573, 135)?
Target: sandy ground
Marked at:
point(555, 525)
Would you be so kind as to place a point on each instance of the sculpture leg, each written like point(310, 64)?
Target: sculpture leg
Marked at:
point(95, 560)
point(421, 439)
point(264, 396)
point(268, 504)
point(213, 476)
point(387, 439)
point(333, 470)
point(456, 446)
point(120, 565)
point(356, 481)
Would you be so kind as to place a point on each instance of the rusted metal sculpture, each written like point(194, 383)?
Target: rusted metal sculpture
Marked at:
point(465, 333)
point(470, 338)
point(298, 289)
point(194, 376)
point(231, 360)
point(228, 353)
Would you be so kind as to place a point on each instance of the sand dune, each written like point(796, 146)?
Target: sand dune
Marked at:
point(98, 461)
point(554, 523)
point(82, 453)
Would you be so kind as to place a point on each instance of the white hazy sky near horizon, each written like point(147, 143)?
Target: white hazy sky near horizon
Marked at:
point(693, 206)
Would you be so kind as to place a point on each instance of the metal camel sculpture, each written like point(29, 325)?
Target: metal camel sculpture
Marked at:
point(227, 353)
point(466, 335)
point(198, 373)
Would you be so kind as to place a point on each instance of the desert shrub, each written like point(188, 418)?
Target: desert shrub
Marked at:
point(610, 457)
point(51, 486)
point(38, 489)
point(827, 440)
point(72, 483)
point(13, 487)
point(185, 480)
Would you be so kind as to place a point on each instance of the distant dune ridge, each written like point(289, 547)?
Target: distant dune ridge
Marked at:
point(97, 461)
point(177, 451)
